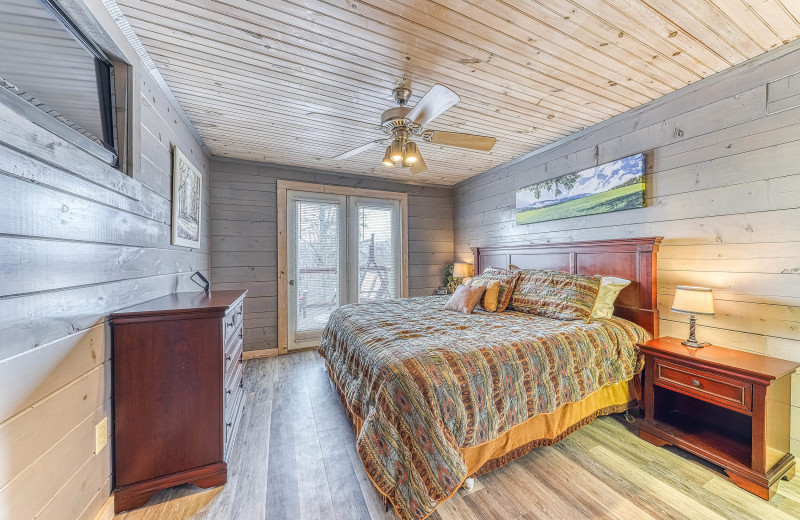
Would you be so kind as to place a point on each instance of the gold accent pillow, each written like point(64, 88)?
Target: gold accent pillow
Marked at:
point(465, 299)
point(610, 288)
point(554, 294)
point(489, 298)
point(507, 279)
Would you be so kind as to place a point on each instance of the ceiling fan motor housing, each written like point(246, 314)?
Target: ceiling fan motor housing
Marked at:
point(394, 118)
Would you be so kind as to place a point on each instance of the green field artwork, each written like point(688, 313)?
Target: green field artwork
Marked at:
point(612, 186)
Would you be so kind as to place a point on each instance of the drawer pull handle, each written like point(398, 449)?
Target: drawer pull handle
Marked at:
point(239, 312)
point(228, 357)
point(241, 334)
point(696, 383)
point(228, 392)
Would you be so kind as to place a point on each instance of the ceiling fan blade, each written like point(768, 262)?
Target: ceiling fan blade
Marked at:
point(470, 141)
point(344, 121)
point(419, 166)
point(356, 151)
point(433, 104)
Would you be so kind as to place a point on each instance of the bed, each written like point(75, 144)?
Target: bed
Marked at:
point(436, 396)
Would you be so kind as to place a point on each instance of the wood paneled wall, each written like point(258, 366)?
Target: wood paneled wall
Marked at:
point(723, 188)
point(78, 239)
point(244, 241)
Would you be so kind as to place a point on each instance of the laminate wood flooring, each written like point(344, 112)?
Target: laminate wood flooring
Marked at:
point(295, 458)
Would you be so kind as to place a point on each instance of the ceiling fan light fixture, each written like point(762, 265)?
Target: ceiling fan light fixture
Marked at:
point(403, 123)
point(387, 157)
point(412, 154)
point(396, 149)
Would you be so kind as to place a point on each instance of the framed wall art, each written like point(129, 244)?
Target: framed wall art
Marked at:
point(613, 186)
point(187, 202)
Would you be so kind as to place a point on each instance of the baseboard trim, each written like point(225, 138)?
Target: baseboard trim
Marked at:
point(263, 353)
point(304, 349)
point(106, 510)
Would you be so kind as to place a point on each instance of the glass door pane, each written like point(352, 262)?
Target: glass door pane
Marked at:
point(375, 247)
point(316, 264)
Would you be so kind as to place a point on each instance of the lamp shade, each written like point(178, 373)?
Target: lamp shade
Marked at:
point(396, 149)
point(693, 300)
point(461, 270)
point(387, 157)
point(412, 155)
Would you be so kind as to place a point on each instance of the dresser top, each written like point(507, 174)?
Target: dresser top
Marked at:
point(183, 303)
point(736, 360)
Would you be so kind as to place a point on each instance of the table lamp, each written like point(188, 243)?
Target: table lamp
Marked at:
point(692, 301)
point(461, 270)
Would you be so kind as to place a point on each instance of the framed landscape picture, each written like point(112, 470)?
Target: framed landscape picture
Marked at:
point(187, 202)
point(612, 186)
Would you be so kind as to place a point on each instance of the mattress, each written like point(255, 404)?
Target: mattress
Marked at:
point(434, 393)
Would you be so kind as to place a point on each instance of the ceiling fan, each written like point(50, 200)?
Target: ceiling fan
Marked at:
point(405, 125)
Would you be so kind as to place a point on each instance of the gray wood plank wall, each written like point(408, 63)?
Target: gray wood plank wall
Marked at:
point(78, 240)
point(244, 240)
point(723, 188)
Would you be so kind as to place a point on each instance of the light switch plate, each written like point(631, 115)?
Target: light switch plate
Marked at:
point(101, 435)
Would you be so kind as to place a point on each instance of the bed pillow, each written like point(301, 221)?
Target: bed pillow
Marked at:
point(489, 298)
point(554, 294)
point(465, 298)
point(507, 279)
point(610, 288)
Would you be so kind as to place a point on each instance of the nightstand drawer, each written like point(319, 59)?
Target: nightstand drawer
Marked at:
point(714, 388)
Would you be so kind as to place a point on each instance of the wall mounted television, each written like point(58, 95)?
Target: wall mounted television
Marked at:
point(46, 62)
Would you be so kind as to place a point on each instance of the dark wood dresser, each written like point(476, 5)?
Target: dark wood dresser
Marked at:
point(729, 407)
point(178, 394)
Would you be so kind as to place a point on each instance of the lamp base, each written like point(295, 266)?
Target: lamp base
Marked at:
point(692, 341)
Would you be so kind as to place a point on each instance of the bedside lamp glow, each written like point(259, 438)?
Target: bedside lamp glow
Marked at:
point(692, 301)
point(461, 270)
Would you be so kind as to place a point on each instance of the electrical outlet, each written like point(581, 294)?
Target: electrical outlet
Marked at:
point(101, 435)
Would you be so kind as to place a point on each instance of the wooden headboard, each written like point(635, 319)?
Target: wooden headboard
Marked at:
point(631, 258)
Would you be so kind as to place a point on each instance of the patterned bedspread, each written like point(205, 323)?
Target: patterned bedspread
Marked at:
point(427, 382)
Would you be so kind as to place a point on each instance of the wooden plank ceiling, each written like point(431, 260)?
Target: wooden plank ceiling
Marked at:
point(254, 75)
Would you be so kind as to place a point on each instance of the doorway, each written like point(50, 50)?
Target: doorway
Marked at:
point(339, 246)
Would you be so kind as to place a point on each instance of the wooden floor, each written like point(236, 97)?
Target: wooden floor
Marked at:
point(295, 459)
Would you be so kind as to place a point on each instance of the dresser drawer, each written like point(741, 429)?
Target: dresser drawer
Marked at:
point(706, 385)
point(234, 404)
point(232, 320)
point(232, 424)
point(232, 353)
point(233, 387)
point(238, 335)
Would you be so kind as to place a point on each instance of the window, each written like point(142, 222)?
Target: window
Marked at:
point(376, 249)
point(47, 63)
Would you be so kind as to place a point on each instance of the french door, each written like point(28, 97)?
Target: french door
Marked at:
point(340, 249)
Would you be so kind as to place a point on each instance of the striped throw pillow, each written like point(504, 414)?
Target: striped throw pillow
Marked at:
point(555, 294)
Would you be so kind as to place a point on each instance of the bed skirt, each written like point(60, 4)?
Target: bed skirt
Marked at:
point(547, 429)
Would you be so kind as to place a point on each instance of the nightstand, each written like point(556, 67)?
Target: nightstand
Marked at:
point(729, 407)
